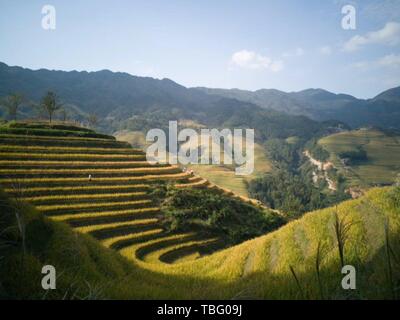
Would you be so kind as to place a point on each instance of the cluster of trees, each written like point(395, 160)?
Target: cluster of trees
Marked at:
point(359, 154)
point(49, 105)
point(232, 220)
point(291, 193)
point(290, 187)
point(285, 156)
point(316, 151)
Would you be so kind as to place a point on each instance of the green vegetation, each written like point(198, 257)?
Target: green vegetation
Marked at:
point(12, 103)
point(224, 176)
point(50, 104)
point(49, 131)
point(374, 155)
point(354, 156)
point(292, 194)
point(116, 242)
point(258, 268)
point(316, 150)
point(102, 187)
point(221, 175)
point(291, 188)
point(216, 213)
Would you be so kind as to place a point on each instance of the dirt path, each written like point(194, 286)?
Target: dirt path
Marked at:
point(322, 167)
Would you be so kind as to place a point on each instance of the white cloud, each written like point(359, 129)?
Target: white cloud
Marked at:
point(252, 60)
point(391, 60)
point(296, 53)
point(388, 35)
point(326, 50)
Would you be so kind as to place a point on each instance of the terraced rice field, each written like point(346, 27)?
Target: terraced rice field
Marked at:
point(220, 175)
point(113, 205)
point(383, 155)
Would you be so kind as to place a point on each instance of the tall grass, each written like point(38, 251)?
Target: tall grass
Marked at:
point(318, 260)
point(342, 229)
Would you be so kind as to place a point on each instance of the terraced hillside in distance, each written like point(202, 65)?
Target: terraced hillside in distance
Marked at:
point(99, 186)
point(220, 175)
point(379, 162)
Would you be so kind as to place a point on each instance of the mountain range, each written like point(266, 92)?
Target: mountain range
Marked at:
point(319, 104)
point(125, 101)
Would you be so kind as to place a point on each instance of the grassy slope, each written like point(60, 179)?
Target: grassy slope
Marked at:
point(383, 152)
point(225, 177)
point(258, 268)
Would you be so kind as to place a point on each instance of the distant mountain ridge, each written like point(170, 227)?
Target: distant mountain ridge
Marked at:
point(319, 104)
point(122, 99)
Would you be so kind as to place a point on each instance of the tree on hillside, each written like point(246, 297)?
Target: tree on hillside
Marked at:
point(50, 104)
point(93, 120)
point(12, 104)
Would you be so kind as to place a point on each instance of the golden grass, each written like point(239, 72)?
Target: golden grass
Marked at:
point(66, 149)
point(168, 169)
point(76, 190)
point(144, 178)
point(139, 250)
point(259, 266)
point(35, 163)
point(90, 205)
point(83, 157)
point(155, 255)
point(103, 214)
point(109, 242)
point(383, 155)
point(65, 198)
point(199, 183)
point(116, 225)
point(51, 138)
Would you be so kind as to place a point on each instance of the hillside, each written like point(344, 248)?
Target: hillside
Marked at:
point(259, 268)
point(125, 102)
point(113, 212)
point(219, 174)
point(322, 105)
point(380, 164)
point(105, 188)
point(114, 204)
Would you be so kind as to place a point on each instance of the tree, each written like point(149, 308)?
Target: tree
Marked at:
point(12, 103)
point(50, 104)
point(93, 120)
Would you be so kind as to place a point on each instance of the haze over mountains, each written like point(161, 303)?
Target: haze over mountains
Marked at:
point(121, 96)
point(319, 104)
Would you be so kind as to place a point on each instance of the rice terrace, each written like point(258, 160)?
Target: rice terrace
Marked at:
point(120, 234)
point(207, 153)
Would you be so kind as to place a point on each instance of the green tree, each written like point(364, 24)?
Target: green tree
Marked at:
point(12, 104)
point(50, 104)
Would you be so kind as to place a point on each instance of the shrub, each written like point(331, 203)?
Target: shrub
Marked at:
point(230, 218)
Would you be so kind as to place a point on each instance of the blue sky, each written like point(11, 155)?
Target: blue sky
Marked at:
point(287, 45)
